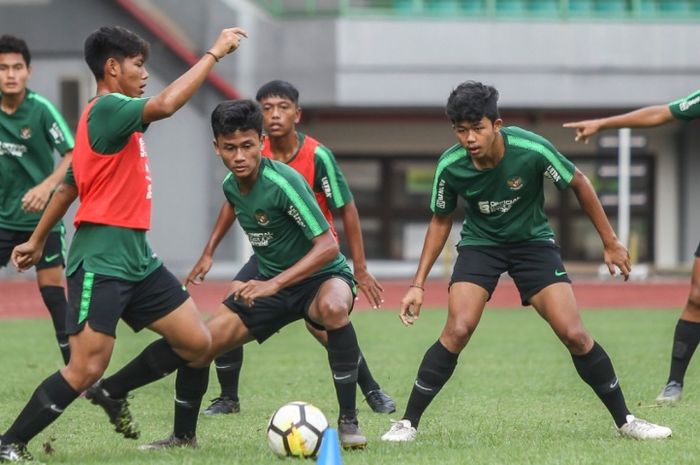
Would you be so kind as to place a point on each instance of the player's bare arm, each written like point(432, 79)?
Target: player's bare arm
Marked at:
point(323, 250)
point(224, 221)
point(24, 256)
point(646, 117)
point(181, 90)
point(37, 197)
point(369, 286)
point(435, 238)
point(614, 253)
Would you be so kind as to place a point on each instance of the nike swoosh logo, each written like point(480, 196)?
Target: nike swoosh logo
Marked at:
point(182, 402)
point(340, 378)
point(420, 386)
point(614, 385)
point(55, 408)
point(50, 258)
point(559, 273)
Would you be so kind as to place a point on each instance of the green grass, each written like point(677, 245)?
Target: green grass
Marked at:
point(515, 397)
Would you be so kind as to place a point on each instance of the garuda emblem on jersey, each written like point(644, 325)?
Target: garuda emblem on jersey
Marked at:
point(515, 183)
point(262, 218)
point(25, 133)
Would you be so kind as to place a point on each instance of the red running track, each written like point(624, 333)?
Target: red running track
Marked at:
point(21, 299)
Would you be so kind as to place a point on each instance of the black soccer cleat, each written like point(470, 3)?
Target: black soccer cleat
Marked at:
point(15, 452)
point(380, 402)
point(170, 442)
point(349, 433)
point(117, 410)
point(222, 405)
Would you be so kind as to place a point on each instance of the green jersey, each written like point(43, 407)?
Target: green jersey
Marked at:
point(281, 217)
point(687, 108)
point(504, 204)
point(28, 138)
point(111, 250)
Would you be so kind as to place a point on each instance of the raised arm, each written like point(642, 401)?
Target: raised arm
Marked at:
point(438, 232)
point(615, 253)
point(181, 90)
point(353, 232)
point(650, 116)
point(224, 221)
point(29, 253)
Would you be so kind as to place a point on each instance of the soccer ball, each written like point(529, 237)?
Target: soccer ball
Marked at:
point(295, 430)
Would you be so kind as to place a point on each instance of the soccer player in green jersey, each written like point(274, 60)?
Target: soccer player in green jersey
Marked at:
point(30, 130)
point(499, 172)
point(112, 272)
point(282, 142)
point(302, 274)
point(687, 333)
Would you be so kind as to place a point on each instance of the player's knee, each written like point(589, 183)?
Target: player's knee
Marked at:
point(85, 374)
point(459, 333)
point(577, 340)
point(334, 314)
point(197, 348)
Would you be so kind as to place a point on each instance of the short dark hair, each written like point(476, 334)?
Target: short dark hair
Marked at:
point(12, 44)
point(236, 115)
point(278, 88)
point(112, 42)
point(471, 101)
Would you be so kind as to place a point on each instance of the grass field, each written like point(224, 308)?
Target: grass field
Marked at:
point(515, 397)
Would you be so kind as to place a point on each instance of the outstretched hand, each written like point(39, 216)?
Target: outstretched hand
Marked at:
point(370, 287)
point(584, 129)
point(617, 255)
point(228, 41)
point(410, 306)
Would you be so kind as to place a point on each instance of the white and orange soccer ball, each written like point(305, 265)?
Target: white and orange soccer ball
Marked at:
point(296, 429)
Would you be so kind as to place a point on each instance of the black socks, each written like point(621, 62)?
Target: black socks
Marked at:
point(436, 368)
point(228, 371)
point(596, 369)
point(190, 386)
point(155, 362)
point(47, 403)
point(343, 353)
point(685, 341)
point(55, 300)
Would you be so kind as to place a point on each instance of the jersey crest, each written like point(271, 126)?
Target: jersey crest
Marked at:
point(515, 183)
point(262, 218)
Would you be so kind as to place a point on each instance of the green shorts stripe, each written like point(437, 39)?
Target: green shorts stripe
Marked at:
point(86, 296)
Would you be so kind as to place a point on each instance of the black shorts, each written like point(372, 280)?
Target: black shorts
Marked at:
point(54, 250)
point(103, 300)
point(532, 265)
point(270, 314)
point(248, 271)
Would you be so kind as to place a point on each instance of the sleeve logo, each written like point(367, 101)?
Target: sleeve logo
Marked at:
point(56, 133)
point(686, 104)
point(552, 174)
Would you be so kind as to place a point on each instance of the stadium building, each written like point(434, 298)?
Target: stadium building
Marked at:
point(374, 76)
